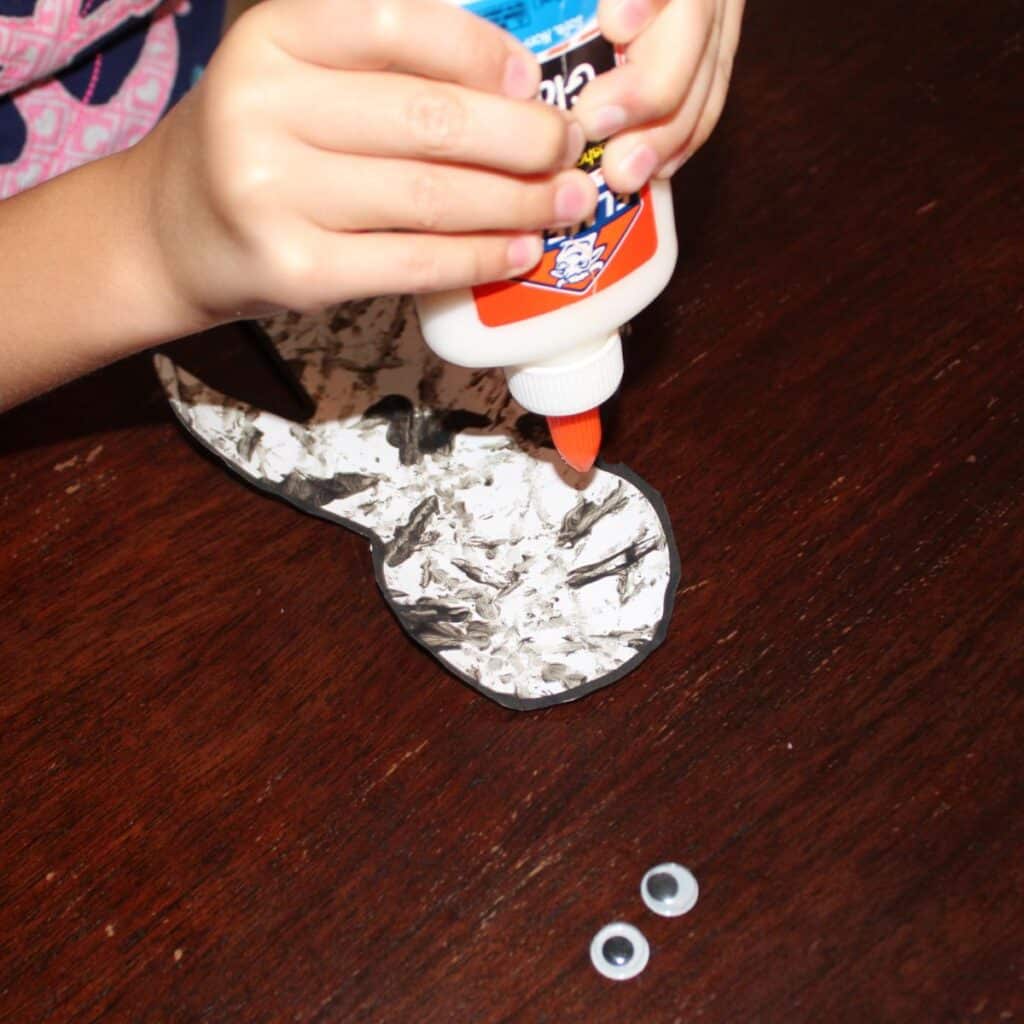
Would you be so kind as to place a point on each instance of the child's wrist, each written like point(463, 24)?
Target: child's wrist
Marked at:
point(156, 298)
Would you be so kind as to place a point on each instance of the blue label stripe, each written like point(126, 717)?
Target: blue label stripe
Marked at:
point(540, 24)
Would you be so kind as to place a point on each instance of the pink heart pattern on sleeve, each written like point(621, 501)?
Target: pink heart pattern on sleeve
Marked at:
point(86, 78)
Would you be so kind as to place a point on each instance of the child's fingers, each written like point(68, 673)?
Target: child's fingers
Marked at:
point(429, 38)
point(622, 21)
point(715, 103)
point(632, 157)
point(345, 193)
point(662, 63)
point(708, 119)
point(328, 267)
point(410, 117)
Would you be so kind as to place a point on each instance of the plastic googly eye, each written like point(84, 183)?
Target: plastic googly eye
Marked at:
point(619, 951)
point(669, 890)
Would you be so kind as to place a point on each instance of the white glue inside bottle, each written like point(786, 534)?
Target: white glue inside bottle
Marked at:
point(555, 330)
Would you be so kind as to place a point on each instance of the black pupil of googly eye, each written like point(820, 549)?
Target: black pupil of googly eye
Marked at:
point(662, 886)
point(618, 950)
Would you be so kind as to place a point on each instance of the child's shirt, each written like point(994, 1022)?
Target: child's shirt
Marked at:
point(80, 79)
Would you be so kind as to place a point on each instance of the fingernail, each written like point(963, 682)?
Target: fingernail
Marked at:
point(672, 166)
point(575, 141)
point(519, 82)
point(570, 203)
point(639, 166)
point(608, 121)
point(632, 15)
point(524, 253)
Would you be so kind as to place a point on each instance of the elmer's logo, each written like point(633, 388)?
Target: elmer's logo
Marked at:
point(572, 263)
point(578, 260)
point(587, 259)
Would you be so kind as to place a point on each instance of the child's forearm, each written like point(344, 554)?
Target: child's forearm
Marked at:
point(81, 277)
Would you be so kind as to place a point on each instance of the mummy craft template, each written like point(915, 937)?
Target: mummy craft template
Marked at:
point(530, 582)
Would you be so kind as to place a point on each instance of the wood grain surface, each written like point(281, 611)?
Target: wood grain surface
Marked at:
point(232, 790)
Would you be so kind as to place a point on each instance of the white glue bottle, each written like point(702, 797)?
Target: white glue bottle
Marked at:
point(555, 330)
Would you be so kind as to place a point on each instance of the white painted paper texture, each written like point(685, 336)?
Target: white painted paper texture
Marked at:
point(531, 582)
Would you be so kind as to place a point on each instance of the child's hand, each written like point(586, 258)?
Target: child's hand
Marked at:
point(335, 150)
point(663, 103)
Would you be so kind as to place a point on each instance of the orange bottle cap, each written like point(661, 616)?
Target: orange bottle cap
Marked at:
point(577, 438)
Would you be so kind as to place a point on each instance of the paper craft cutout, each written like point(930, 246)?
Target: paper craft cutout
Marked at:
point(531, 582)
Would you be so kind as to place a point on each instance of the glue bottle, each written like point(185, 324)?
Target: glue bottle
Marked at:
point(555, 330)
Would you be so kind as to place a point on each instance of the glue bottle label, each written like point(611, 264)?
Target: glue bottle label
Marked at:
point(621, 236)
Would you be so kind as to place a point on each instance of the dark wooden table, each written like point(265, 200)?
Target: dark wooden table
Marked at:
point(204, 817)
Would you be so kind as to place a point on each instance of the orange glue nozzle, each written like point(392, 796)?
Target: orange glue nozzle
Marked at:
point(577, 438)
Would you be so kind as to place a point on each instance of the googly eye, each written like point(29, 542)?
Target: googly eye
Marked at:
point(669, 890)
point(619, 951)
